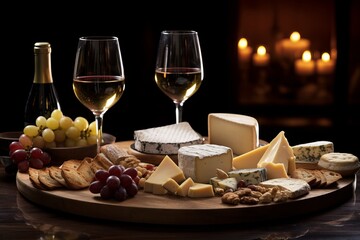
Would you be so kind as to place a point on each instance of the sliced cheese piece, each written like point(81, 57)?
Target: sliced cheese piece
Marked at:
point(184, 187)
point(201, 190)
point(165, 139)
point(228, 183)
point(297, 187)
point(166, 169)
point(250, 175)
point(311, 152)
point(171, 185)
point(249, 159)
point(276, 158)
point(239, 132)
point(201, 161)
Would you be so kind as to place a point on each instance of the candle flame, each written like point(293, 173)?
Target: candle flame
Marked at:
point(261, 50)
point(306, 56)
point(242, 43)
point(325, 57)
point(295, 36)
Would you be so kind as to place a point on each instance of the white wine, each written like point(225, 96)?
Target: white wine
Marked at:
point(42, 99)
point(178, 83)
point(99, 93)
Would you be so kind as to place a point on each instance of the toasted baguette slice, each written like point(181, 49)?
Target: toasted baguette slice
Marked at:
point(34, 178)
point(71, 164)
point(301, 173)
point(85, 171)
point(320, 178)
point(114, 152)
point(73, 178)
point(100, 161)
point(55, 173)
point(47, 181)
point(331, 177)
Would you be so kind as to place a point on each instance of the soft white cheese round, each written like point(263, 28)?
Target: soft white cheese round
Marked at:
point(344, 163)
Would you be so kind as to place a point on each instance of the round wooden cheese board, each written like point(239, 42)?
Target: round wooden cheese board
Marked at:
point(175, 210)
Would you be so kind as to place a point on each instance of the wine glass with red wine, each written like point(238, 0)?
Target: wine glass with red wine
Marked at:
point(179, 67)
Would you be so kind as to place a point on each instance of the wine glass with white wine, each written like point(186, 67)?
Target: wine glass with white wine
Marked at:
point(99, 79)
point(179, 67)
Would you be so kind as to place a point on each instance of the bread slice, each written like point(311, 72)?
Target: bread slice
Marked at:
point(73, 178)
point(55, 173)
point(331, 177)
point(85, 170)
point(114, 152)
point(100, 161)
point(320, 178)
point(47, 181)
point(301, 173)
point(34, 178)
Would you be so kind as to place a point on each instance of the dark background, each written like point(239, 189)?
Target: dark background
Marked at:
point(143, 105)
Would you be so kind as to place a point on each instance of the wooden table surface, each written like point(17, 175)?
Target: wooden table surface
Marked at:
point(21, 219)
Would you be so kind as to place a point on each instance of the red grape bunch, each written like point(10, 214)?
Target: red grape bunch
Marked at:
point(117, 183)
point(23, 155)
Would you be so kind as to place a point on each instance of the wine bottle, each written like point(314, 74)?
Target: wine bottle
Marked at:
point(43, 98)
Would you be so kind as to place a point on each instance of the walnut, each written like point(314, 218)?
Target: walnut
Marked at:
point(243, 192)
point(249, 200)
point(219, 191)
point(230, 198)
point(266, 198)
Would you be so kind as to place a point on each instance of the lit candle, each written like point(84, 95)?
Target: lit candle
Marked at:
point(244, 51)
point(261, 58)
point(305, 66)
point(325, 65)
point(294, 46)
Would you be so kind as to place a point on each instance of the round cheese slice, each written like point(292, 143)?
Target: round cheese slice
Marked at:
point(344, 163)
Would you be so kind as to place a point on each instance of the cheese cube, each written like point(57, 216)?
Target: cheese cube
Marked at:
point(201, 190)
point(249, 159)
point(277, 157)
point(171, 185)
point(239, 132)
point(201, 161)
point(166, 169)
point(184, 187)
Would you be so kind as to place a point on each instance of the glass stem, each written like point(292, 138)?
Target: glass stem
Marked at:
point(99, 124)
point(178, 111)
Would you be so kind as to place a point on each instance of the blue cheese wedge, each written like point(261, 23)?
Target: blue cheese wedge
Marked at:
point(201, 161)
point(296, 187)
point(311, 152)
point(166, 139)
point(249, 176)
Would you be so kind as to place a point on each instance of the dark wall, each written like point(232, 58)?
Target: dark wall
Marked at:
point(138, 27)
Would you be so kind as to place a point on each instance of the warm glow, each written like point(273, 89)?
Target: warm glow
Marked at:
point(325, 57)
point(261, 50)
point(295, 36)
point(242, 43)
point(306, 56)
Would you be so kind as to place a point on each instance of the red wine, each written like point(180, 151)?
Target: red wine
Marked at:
point(178, 83)
point(99, 93)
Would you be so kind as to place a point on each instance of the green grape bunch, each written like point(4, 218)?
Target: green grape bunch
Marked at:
point(56, 131)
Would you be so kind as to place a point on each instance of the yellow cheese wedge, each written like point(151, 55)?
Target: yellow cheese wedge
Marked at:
point(184, 187)
point(171, 185)
point(249, 159)
point(239, 132)
point(200, 190)
point(166, 169)
point(276, 158)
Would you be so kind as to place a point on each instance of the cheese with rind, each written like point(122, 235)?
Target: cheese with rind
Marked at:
point(312, 151)
point(166, 139)
point(297, 187)
point(239, 132)
point(250, 175)
point(201, 161)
